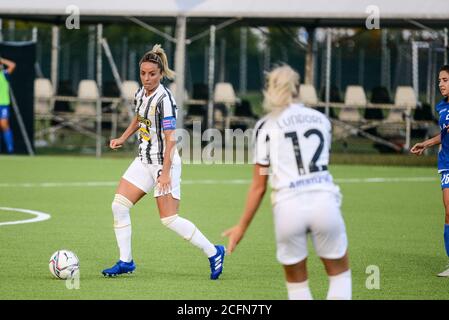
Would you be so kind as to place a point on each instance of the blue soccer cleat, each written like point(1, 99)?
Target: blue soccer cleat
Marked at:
point(216, 262)
point(119, 268)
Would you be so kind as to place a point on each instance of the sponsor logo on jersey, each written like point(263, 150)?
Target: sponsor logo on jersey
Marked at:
point(144, 121)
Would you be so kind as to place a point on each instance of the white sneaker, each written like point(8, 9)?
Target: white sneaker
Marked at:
point(445, 273)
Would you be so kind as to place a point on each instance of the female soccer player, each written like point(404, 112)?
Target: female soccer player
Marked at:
point(157, 166)
point(5, 102)
point(443, 156)
point(294, 141)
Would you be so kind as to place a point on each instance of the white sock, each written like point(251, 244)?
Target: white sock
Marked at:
point(299, 291)
point(340, 286)
point(189, 232)
point(122, 226)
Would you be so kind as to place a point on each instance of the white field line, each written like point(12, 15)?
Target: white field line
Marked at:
point(40, 216)
point(207, 182)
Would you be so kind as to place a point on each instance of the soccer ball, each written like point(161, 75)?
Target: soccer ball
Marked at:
point(64, 264)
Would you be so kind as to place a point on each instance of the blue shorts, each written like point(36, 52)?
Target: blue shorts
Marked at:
point(4, 112)
point(445, 180)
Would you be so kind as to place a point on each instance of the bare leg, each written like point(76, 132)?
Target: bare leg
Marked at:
point(340, 282)
point(4, 124)
point(129, 191)
point(7, 135)
point(297, 284)
point(446, 204)
point(336, 266)
point(167, 205)
point(296, 272)
point(446, 219)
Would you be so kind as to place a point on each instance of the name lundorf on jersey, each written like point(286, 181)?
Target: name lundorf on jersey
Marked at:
point(296, 145)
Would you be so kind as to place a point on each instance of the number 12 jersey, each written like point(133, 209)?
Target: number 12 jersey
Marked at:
point(296, 145)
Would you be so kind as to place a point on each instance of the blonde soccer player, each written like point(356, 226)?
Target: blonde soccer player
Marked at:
point(293, 142)
point(157, 166)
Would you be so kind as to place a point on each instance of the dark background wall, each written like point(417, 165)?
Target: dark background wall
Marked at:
point(22, 84)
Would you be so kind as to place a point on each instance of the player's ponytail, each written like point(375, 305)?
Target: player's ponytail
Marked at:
point(157, 55)
point(282, 87)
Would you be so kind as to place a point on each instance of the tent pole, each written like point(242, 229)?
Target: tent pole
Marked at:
point(210, 102)
point(361, 66)
point(100, 88)
point(222, 59)
point(310, 63)
point(429, 73)
point(328, 68)
point(446, 45)
point(34, 34)
point(54, 57)
point(119, 83)
point(415, 71)
point(180, 55)
point(243, 59)
point(91, 52)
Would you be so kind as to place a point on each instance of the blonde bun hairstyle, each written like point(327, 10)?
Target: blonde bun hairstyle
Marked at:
point(281, 89)
point(157, 55)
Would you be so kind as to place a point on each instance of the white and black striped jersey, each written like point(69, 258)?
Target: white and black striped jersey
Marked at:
point(155, 114)
point(296, 145)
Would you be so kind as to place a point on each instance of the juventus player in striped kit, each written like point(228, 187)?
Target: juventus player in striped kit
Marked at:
point(158, 166)
point(294, 142)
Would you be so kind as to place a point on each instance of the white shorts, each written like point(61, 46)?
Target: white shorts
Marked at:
point(317, 213)
point(144, 176)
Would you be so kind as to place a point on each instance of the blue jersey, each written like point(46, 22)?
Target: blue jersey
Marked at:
point(443, 156)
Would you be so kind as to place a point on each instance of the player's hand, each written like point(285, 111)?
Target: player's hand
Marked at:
point(164, 183)
point(418, 148)
point(235, 234)
point(116, 143)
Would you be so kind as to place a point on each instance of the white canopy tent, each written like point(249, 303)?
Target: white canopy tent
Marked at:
point(324, 13)
point(319, 11)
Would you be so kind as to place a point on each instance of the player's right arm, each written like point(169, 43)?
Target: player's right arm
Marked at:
point(10, 65)
point(419, 148)
point(132, 128)
point(253, 200)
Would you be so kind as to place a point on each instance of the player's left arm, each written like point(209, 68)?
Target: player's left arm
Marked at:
point(10, 65)
point(168, 126)
point(253, 200)
point(164, 178)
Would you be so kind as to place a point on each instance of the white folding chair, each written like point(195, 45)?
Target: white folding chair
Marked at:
point(224, 93)
point(355, 98)
point(129, 88)
point(405, 97)
point(308, 95)
point(43, 94)
point(87, 95)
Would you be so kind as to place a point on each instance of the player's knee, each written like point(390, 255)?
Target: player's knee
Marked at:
point(446, 218)
point(446, 210)
point(120, 210)
point(167, 221)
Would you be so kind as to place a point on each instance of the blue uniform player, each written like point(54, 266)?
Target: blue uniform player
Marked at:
point(5, 102)
point(443, 156)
